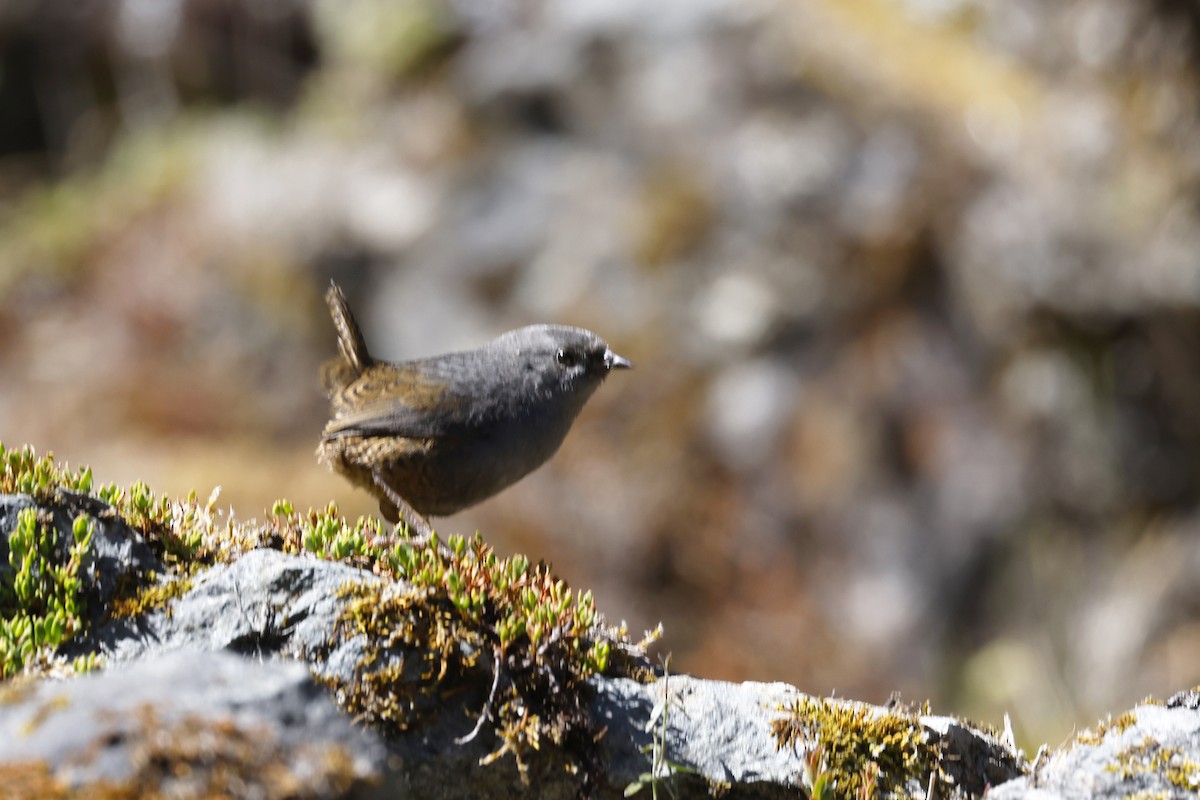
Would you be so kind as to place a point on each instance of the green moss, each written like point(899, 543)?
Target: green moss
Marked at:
point(859, 747)
point(517, 603)
point(158, 594)
point(430, 649)
point(451, 605)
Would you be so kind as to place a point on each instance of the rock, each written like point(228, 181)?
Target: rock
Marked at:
point(188, 724)
point(270, 603)
point(253, 680)
point(192, 721)
point(229, 685)
point(264, 603)
point(1150, 751)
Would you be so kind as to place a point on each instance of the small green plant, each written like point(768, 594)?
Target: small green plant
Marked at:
point(328, 536)
point(657, 750)
point(40, 605)
point(22, 471)
point(40, 590)
point(819, 782)
point(177, 531)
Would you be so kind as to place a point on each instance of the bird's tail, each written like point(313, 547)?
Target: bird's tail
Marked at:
point(337, 373)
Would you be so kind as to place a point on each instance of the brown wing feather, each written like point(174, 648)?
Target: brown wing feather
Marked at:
point(395, 400)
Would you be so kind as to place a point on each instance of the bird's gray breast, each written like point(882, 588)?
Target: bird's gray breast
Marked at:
point(518, 442)
point(498, 451)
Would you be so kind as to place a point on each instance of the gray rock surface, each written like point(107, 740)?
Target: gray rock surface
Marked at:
point(209, 709)
point(722, 731)
point(266, 602)
point(1152, 751)
point(194, 721)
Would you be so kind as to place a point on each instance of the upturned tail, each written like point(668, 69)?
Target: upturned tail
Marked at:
point(354, 360)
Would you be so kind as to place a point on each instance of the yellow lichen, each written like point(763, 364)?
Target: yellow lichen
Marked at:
point(1093, 736)
point(1150, 758)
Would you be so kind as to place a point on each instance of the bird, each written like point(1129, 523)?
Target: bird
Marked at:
point(431, 436)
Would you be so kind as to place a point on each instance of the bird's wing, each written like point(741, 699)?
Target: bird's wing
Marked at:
point(409, 400)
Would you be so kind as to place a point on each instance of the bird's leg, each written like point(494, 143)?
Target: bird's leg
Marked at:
point(415, 522)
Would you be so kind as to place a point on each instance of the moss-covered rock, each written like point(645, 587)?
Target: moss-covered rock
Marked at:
point(484, 676)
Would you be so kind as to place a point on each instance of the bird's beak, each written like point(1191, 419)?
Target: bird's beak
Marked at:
point(613, 361)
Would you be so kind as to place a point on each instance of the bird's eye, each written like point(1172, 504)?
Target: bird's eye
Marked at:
point(567, 358)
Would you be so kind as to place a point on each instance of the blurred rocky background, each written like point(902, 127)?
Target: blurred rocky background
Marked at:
point(913, 289)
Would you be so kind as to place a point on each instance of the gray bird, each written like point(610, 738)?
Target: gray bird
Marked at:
point(432, 436)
